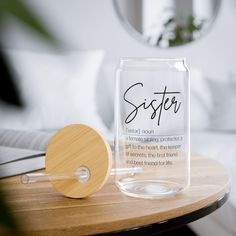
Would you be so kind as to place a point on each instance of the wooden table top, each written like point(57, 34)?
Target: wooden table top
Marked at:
point(43, 211)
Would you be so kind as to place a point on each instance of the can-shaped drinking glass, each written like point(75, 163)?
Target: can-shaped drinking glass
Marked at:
point(152, 129)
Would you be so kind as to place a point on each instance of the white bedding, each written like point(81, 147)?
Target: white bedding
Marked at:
point(221, 147)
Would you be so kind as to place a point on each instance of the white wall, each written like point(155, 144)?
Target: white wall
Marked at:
point(93, 24)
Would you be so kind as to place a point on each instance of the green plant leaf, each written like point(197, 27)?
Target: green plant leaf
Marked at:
point(22, 13)
point(8, 90)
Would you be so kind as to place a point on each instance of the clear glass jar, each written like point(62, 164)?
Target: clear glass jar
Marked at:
point(152, 126)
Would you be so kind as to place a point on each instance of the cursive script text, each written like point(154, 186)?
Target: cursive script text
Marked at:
point(163, 101)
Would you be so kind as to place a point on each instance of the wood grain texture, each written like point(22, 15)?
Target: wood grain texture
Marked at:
point(44, 211)
point(77, 146)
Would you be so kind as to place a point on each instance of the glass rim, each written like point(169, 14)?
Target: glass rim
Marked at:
point(150, 62)
point(153, 59)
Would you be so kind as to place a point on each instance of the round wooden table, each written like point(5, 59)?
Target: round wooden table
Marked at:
point(43, 211)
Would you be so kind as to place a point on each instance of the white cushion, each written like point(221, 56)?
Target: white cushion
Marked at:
point(201, 102)
point(57, 90)
point(223, 116)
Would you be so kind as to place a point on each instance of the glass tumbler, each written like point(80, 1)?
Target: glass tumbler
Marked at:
point(152, 130)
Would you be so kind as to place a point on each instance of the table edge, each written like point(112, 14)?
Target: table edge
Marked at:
point(174, 222)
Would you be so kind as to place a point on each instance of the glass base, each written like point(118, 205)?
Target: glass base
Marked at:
point(150, 188)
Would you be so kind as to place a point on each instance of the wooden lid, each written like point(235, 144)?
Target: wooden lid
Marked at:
point(76, 148)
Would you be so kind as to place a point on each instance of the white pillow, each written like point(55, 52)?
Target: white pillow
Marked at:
point(223, 117)
point(57, 90)
point(201, 102)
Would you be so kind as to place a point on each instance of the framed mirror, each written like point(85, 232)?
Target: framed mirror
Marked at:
point(167, 23)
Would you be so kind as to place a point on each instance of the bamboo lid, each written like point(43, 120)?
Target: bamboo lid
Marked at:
point(77, 149)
